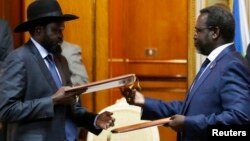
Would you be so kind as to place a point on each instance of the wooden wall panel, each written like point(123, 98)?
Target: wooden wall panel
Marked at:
point(156, 24)
point(150, 39)
point(158, 69)
point(116, 60)
point(102, 98)
point(138, 25)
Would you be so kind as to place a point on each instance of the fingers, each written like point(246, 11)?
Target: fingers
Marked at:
point(110, 123)
point(108, 113)
point(172, 117)
point(74, 92)
point(129, 94)
point(71, 97)
point(62, 98)
point(76, 99)
point(177, 122)
point(105, 120)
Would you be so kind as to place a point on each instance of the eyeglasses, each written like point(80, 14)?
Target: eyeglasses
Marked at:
point(200, 29)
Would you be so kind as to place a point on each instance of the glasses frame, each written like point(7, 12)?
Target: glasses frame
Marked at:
point(198, 30)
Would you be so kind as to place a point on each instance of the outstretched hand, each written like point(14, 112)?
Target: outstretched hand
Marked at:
point(105, 120)
point(133, 96)
point(177, 122)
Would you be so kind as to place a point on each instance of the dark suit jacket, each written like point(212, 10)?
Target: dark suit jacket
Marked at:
point(248, 54)
point(6, 45)
point(220, 96)
point(26, 106)
point(6, 41)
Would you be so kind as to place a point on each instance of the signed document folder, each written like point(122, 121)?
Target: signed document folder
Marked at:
point(119, 81)
point(141, 125)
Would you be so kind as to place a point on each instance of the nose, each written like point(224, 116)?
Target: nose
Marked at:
point(195, 36)
point(60, 33)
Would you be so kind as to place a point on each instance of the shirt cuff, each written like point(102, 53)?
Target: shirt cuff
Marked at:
point(95, 122)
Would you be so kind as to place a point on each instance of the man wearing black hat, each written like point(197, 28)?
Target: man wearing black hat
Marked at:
point(34, 104)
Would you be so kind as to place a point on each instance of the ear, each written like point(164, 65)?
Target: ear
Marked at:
point(215, 32)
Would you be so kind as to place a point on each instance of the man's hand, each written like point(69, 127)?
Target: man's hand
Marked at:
point(177, 122)
point(105, 120)
point(132, 96)
point(62, 98)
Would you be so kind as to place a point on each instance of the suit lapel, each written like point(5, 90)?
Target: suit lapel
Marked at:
point(42, 65)
point(199, 81)
point(59, 65)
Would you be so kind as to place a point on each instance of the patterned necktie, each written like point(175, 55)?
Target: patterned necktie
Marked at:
point(203, 66)
point(70, 127)
point(53, 71)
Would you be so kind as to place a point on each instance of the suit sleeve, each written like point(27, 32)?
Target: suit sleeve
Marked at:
point(86, 119)
point(235, 100)
point(156, 109)
point(248, 55)
point(13, 107)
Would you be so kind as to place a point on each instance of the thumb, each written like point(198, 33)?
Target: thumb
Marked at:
point(172, 117)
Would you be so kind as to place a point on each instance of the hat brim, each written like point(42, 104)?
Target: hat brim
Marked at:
point(26, 26)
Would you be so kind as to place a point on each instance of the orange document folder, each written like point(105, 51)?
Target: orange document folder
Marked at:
point(104, 84)
point(138, 126)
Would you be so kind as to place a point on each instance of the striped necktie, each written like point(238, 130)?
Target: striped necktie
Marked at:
point(203, 67)
point(53, 71)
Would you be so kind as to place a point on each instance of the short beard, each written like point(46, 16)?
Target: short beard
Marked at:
point(52, 46)
point(55, 50)
point(204, 49)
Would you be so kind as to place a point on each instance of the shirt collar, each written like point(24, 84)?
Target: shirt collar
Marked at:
point(43, 52)
point(217, 51)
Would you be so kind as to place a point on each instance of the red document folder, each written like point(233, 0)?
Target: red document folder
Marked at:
point(141, 125)
point(104, 84)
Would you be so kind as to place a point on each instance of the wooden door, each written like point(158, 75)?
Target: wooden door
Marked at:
point(8, 12)
point(149, 39)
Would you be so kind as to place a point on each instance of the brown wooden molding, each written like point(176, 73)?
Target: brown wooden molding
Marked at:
point(116, 60)
point(171, 61)
point(160, 89)
point(191, 48)
point(174, 61)
point(162, 78)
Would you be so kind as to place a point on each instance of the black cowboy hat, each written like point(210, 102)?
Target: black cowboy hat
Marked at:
point(43, 11)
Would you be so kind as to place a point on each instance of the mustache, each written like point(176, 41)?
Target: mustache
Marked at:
point(54, 49)
point(60, 41)
point(59, 44)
